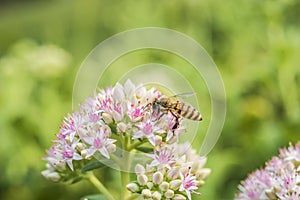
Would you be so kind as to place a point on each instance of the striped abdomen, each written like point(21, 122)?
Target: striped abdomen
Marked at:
point(186, 111)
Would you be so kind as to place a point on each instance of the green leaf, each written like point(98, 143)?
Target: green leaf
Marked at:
point(113, 127)
point(76, 179)
point(92, 166)
point(144, 149)
point(93, 197)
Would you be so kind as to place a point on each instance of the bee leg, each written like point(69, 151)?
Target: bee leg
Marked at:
point(176, 125)
point(164, 111)
point(160, 116)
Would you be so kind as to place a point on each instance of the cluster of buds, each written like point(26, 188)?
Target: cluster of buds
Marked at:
point(119, 112)
point(175, 172)
point(278, 180)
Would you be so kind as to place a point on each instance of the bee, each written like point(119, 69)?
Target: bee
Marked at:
point(176, 108)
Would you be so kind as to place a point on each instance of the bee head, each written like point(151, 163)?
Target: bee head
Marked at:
point(155, 105)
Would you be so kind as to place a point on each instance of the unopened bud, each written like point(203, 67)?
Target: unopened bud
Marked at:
point(132, 187)
point(142, 179)
point(157, 177)
point(50, 175)
point(111, 148)
point(169, 194)
point(121, 127)
point(200, 183)
point(149, 185)
point(179, 197)
point(83, 153)
point(157, 139)
point(204, 173)
point(173, 173)
point(146, 193)
point(107, 118)
point(175, 184)
point(156, 196)
point(198, 163)
point(67, 138)
point(164, 186)
point(139, 169)
point(80, 146)
point(270, 193)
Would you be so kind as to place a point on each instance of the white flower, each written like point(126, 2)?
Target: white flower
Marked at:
point(98, 141)
point(176, 179)
point(189, 183)
point(165, 156)
point(124, 115)
point(278, 180)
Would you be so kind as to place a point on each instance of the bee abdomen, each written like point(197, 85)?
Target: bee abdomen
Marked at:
point(196, 116)
point(191, 113)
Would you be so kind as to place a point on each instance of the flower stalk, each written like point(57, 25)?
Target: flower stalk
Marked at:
point(97, 183)
point(124, 169)
point(135, 145)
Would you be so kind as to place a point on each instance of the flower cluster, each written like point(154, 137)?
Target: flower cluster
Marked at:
point(278, 180)
point(175, 173)
point(122, 117)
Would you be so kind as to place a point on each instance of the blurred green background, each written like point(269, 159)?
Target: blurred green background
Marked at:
point(255, 44)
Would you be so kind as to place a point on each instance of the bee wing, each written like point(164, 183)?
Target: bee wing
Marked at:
point(187, 94)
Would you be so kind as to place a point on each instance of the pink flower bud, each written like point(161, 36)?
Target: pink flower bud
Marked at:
point(142, 179)
point(173, 173)
point(139, 169)
point(175, 184)
point(157, 177)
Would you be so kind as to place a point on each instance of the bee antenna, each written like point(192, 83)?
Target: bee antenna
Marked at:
point(148, 104)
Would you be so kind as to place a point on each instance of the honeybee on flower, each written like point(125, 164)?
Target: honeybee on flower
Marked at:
point(118, 120)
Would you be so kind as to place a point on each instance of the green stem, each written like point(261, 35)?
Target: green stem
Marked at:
point(133, 196)
point(133, 146)
point(95, 181)
point(124, 169)
point(116, 159)
point(125, 180)
point(126, 143)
